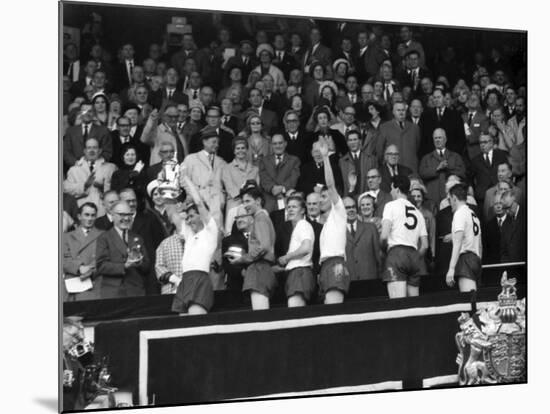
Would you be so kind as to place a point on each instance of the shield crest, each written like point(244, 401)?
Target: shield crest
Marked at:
point(505, 358)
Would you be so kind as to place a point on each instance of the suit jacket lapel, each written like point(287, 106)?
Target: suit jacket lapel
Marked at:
point(119, 243)
point(358, 232)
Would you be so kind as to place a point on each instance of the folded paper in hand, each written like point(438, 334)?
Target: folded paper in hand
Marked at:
point(76, 285)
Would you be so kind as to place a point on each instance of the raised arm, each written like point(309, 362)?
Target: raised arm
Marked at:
point(329, 176)
point(197, 199)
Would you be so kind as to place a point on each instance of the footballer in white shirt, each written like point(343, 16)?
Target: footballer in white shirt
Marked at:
point(465, 264)
point(403, 230)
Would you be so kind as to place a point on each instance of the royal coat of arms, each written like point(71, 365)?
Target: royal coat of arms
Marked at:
point(493, 350)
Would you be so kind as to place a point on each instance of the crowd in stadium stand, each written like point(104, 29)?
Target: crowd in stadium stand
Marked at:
point(306, 158)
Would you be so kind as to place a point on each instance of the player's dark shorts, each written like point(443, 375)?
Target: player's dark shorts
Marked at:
point(333, 275)
point(300, 280)
point(402, 265)
point(259, 277)
point(468, 265)
point(195, 288)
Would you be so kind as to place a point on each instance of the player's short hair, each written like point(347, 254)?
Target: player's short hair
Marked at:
point(460, 191)
point(353, 132)
point(299, 199)
point(402, 182)
point(87, 204)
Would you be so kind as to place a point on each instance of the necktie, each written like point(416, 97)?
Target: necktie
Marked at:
point(487, 160)
point(387, 93)
point(440, 153)
point(70, 71)
point(279, 55)
point(86, 126)
point(245, 61)
point(125, 236)
point(170, 93)
point(394, 168)
point(346, 129)
point(130, 70)
point(91, 164)
point(439, 114)
point(470, 117)
point(180, 126)
point(352, 229)
point(195, 94)
point(225, 119)
point(401, 125)
point(293, 137)
point(211, 158)
point(278, 159)
point(499, 219)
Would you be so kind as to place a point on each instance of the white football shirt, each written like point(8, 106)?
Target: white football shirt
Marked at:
point(465, 220)
point(302, 231)
point(199, 247)
point(332, 242)
point(407, 223)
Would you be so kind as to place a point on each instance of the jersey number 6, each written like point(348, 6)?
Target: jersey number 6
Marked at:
point(476, 227)
point(409, 215)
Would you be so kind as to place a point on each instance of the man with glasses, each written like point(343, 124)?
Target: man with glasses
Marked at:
point(154, 134)
point(347, 123)
point(295, 136)
point(120, 136)
point(483, 168)
point(391, 168)
point(121, 274)
point(279, 174)
point(381, 198)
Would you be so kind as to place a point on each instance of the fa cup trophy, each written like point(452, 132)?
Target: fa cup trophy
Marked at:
point(169, 186)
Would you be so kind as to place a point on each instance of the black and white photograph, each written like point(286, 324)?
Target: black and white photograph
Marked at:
point(265, 207)
point(268, 206)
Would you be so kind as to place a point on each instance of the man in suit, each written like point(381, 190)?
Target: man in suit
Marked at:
point(204, 169)
point(410, 44)
point(169, 91)
point(188, 50)
point(391, 168)
point(283, 59)
point(491, 233)
point(313, 216)
point(279, 173)
point(356, 163)
point(71, 63)
point(445, 118)
point(90, 177)
point(344, 51)
point(340, 31)
point(295, 136)
point(413, 73)
point(362, 245)
point(475, 124)
point(155, 134)
point(193, 88)
point(316, 52)
point(269, 118)
point(351, 97)
point(436, 166)
point(121, 136)
point(297, 49)
point(73, 142)
point(312, 174)
point(504, 181)
point(228, 119)
point(368, 58)
point(381, 198)
point(79, 248)
point(348, 123)
point(273, 100)
point(483, 168)
point(237, 239)
point(415, 113)
point(144, 225)
point(105, 222)
point(514, 230)
point(401, 133)
point(77, 88)
point(225, 138)
point(121, 274)
point(245, 59)
point(124, 70)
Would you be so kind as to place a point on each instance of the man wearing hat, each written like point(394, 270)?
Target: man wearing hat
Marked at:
point(204, 169)
point(265, 54)
point(213, 120)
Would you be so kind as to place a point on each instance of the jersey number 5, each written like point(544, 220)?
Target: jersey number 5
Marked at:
point(476, 227)
point(409, 215)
